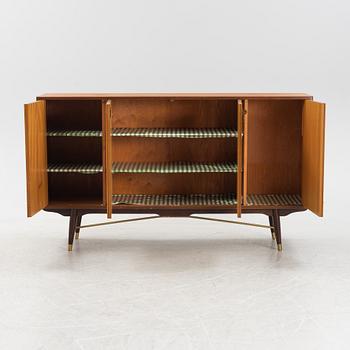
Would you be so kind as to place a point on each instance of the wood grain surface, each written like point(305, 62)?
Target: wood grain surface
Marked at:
point(239, 156)
point(176, 95)
point(313, 156)
point(274, 147)
point(36, 156)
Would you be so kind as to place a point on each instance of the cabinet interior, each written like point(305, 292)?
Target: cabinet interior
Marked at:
point(66, 153)
point(174, 152)
point(188, 117)
point(274, 149)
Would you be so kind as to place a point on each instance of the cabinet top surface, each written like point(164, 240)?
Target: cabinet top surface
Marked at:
point(178, 95)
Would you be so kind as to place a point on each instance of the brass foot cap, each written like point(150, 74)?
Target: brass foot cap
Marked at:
point(273, 236)
point(279, 247)
point(77, 235)
point(70, 247)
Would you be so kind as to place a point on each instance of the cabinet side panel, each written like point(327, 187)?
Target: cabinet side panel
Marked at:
point(36, 156)
point(313, 156)
point(274, 147)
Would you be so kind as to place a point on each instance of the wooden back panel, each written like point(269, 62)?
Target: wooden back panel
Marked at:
point(274, 147)
point(72, 187)
point(74, 150)
point(36, 156)
point(150, 183)
point(74, 115)
point(167, 113)
point(146, 149)
point(313, 156)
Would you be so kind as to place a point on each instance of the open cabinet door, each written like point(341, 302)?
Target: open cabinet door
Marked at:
point(107, 155)
point(36, 156)
point(313, 130)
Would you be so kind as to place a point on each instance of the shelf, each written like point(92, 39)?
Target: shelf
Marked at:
point(74, 168)
point(154, 132)
point(166, 168)
point(273, 200)
point(75, 133)
point(175, 133)
point(174, 199)
point(174, 167)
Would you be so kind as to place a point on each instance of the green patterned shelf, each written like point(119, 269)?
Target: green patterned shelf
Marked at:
point(174, 167)
point(274, 200)
point(154, 132)
point(174, 199)
point(161, 168)
point(83, 168)
point(175, 133)
point(75, 133)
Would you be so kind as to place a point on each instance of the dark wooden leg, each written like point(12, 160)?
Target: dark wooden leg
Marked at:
point(77, 229)
point(72, 228)
point(277, 226)
point(272, 229)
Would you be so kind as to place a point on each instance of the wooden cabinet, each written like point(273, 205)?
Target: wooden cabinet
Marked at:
point(175, 155)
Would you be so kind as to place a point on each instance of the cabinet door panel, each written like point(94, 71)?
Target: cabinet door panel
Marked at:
point(36, 156)
point(313, 130)
point(107, 155)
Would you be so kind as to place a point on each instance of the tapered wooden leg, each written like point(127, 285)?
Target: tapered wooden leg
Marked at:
point(72, 228)
point(77, 229)
point(272, 229)
point(277, 226)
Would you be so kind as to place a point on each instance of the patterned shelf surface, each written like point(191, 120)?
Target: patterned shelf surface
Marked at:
point(174, 167)
point(174, 199)
point(175, 133)
point(166, 168)
point(76, 133)
point(274, 200)
point(83, 168)
point(155, 132)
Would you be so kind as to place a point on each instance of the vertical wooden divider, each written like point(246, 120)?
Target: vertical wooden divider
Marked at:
point(107, 155)
point(239, 157)
point(245, 152)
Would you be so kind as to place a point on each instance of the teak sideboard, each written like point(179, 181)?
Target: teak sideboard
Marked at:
point(175, 155)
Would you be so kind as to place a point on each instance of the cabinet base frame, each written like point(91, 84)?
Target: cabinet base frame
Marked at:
point(274, 215)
